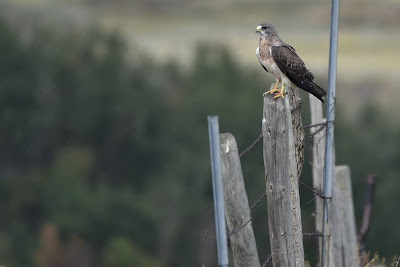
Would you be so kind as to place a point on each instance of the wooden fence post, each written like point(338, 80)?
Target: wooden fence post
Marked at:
point(347, 218)
point(336, 253)
point(236, 205)
point(318, 159)
point(282, 170)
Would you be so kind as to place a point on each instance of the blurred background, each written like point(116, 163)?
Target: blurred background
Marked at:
point(104, 156)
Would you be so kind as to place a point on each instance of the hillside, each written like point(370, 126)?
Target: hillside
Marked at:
point(368, 41)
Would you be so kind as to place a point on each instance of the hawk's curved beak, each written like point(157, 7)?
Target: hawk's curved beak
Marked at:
point(258, 28)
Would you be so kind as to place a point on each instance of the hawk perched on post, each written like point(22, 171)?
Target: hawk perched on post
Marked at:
point(281, 60)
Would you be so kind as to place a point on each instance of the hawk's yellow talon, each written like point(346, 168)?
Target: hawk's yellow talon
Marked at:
point(281, 92)
point(272, 91)
point(279, 95)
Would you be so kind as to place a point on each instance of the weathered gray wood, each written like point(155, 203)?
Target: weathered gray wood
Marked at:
point(347, 219)
point(281, 174)
point(318, 157)
point(296, 132)
point(336, 253)
point(297, 124)
point(318, 161)
point(236, 205)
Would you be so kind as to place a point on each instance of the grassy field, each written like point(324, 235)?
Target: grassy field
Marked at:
point(368, 42)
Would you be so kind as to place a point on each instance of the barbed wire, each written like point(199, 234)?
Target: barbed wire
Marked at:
point(260, 137)
point(234, 231)
point(311, 200)
point(315, 234)
point(315, 125)
point(251, 146)
point(314, 191)
point(317, 192)
point(258, 201)
point(269, 258)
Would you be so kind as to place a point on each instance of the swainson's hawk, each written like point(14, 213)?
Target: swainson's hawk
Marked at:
point(281, 60)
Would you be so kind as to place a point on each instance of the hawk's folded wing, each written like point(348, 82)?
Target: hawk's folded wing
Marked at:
point(294, 68)
point(291, 64)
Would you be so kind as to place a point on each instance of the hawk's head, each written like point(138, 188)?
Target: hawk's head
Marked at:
point(266, 29)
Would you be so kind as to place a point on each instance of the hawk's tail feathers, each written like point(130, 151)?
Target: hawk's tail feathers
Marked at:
point(318, 92)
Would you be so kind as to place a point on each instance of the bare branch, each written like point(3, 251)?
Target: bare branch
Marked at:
point(369, 202)
point(367, 215)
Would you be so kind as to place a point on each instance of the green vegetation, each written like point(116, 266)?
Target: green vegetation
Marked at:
point(105, 162)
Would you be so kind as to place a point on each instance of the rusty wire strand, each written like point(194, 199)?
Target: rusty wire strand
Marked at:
point(316, 234)
point(251, 146)
point(234, 231)
point(269, 258)
point(314, 191)
point(321, 124)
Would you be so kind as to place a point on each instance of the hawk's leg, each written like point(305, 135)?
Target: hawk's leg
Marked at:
point(281, 92)
point(274, 90)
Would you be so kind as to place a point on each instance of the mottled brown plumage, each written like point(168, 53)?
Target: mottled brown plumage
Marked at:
point(281, 60)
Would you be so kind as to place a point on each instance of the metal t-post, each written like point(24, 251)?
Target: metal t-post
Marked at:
point(329, 148)
point(219, 207)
